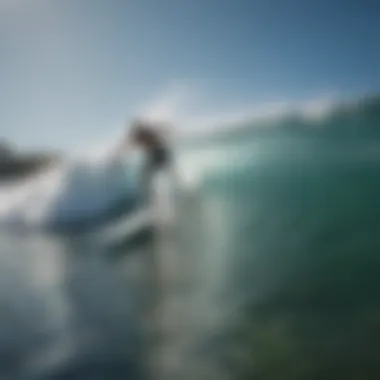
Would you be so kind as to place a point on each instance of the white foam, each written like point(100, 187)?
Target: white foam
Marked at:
point(73, 190)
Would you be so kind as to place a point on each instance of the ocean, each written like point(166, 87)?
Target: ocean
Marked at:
point(286, 248)
point(268, 268)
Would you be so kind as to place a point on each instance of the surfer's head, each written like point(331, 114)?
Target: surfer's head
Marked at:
point(150, 139)
point(144, 133)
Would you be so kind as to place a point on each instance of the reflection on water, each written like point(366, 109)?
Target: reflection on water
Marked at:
point(68, 312)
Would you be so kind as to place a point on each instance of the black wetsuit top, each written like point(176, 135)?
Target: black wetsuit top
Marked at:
point(159, 157)
point(158, 153)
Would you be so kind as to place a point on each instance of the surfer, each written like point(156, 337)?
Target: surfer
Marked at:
point(152, 141)
point(150, 137)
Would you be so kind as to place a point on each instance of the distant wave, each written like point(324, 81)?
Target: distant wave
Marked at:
point(320, 118)
point(350, 132)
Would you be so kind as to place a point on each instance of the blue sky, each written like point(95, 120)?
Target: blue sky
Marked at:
point(73, 71)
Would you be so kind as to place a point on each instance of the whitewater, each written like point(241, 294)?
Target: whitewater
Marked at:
point(74, 191)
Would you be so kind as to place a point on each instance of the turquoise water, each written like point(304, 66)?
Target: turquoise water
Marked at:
point(271, 271)
point(283, 232)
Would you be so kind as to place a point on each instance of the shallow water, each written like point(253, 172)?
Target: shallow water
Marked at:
point(69, 309)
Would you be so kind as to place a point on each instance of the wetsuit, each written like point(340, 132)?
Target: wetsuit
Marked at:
point(158, 158)
point(158, 154)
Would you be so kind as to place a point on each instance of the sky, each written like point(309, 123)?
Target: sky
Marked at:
point(75, 71)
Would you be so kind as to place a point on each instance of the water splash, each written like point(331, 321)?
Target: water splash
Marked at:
point(72, 191)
